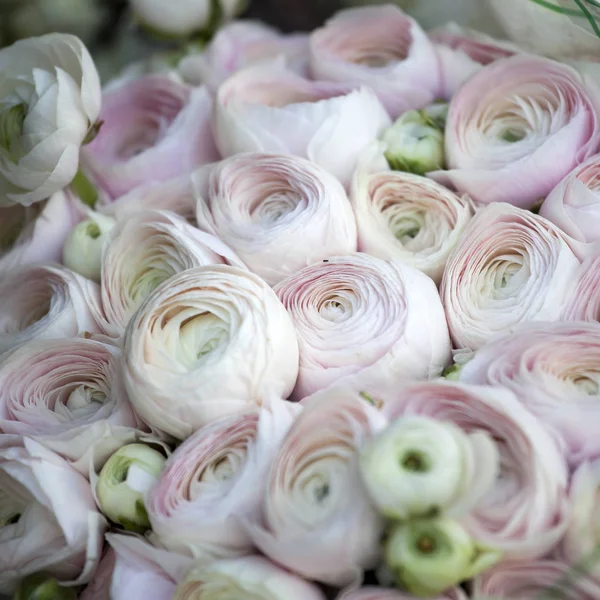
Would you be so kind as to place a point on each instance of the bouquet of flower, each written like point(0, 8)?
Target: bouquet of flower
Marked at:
point(299, 316)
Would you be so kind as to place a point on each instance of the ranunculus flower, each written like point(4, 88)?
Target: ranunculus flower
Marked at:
point(154, 129)
point(357, 312)
point(382, 48)
point(525, 512)
point(580, 544)
point(463, 52)
point(216, 476)
point(525, 580)
point(583, 302)
point(208, 343)
point(67, 394)
point(408, 218)
point(266, 108)
point(239, 45)
point(142, 571)
point(183, 17)
point(143, 252)
point(50, 102)
point(37, 233)
point(379, 593)
point(316, 518)
point(574, 204)
point(553, 369)
point(48, 517)
point(279, 213)
point(246, 577)
point(47, 302)
point(517, 127)
point(510, 266)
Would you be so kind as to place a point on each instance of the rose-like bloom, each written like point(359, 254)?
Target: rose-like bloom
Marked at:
point(355, 312)
point(279, 213)
point(266, 108)
point(525, 580)
point(583, 303)
point(239, 45)
point(574, 204)
point(154, 129)
point(210, 342)
point(48, 517)
point(524, 513)
point(143, 252)
point(67, 394)
point(217, 475)
point(553, 368)
point(510, 266)
point(50, 101)
point(463, 52)
point(37, 233)
point(419, 465)
point(247, 577)
point(142, 571)
point(408, 218)
point(379, 593)
point(47, 302)
point(316, 518)
point(517, 127)
point(183, 17)
point(382, 48)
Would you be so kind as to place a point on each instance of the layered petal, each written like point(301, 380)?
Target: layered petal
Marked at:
point(511, 266)
point(382, 48)
point(316, 518)
point(266, 108)
point(154, 129)
point(47, 302)
point(48, 518)
point(279, 213)
point(517, 127)
point(583, 302)
point(360, 312)
point(525, 512)
point(144, 251)
point(99, 587)
point(379, 593)
point(210, 342)
point(216, 476)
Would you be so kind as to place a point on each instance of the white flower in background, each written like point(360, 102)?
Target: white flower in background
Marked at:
point(82, 251)
point(50, 100)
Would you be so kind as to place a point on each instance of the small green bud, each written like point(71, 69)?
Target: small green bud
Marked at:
point(43, 587)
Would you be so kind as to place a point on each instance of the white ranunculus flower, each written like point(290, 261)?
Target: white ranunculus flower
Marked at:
point(50, 100)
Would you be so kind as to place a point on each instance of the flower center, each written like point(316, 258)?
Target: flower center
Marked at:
point(11, 128)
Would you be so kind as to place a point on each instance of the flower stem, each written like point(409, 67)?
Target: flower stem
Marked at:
point(84, 188)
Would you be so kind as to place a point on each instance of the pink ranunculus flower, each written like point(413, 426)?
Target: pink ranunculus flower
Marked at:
point(517, 127)
point(267, 108)
point(154, 129)
point(240, 44)
point(574, 204)
point(463, 52)
point(209, 342)
point(36, 234)
point(144, 251)
point(553, 369)
point(142, 571)
point(216, 476)
point(408, 218)
point(359, 312)
point(245, 577)
point(316, 518)
point(67, 394)
point(525, 512)
point(380, 47)
point(583, 302)
point(48, 516)
point(47, 302)
point(379, 593)
point(280, 213)
point(529, 579)
point(510, 267)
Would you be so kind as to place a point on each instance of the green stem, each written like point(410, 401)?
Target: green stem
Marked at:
point(559, 9)
point(589, 17)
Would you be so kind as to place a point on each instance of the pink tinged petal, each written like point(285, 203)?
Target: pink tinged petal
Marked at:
point(583, 302)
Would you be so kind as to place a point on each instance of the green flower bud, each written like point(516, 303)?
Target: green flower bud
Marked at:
point(42, 587)
point(428, 556)
point(415, 144)
point(123, 483)
point(438, 113)
point(453, 372)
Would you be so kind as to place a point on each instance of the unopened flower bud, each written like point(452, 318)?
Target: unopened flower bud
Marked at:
point(43, 587)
